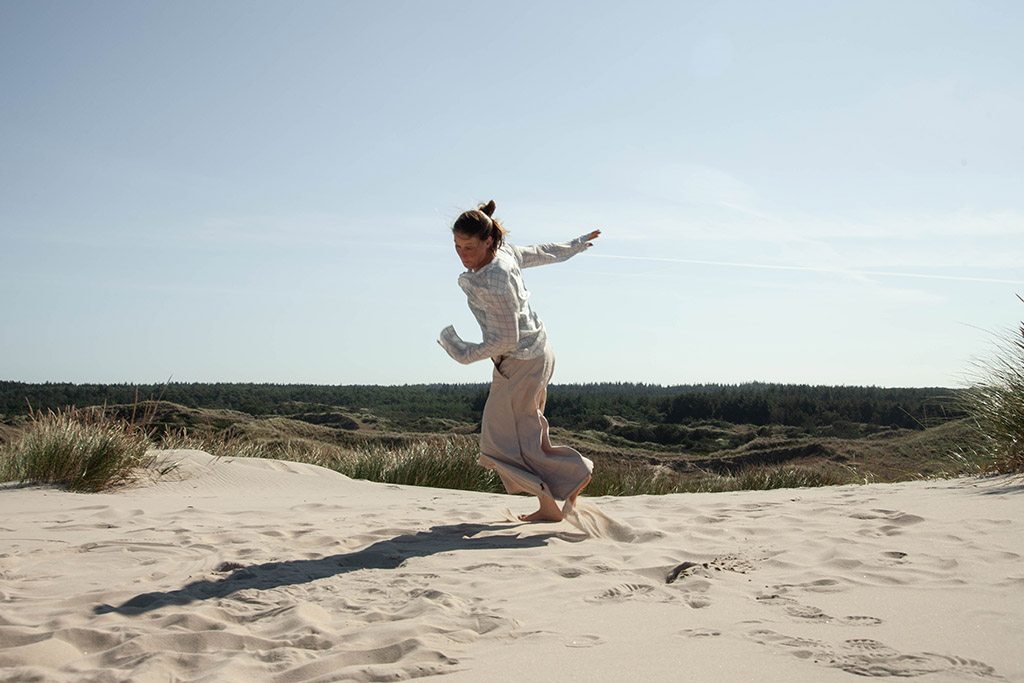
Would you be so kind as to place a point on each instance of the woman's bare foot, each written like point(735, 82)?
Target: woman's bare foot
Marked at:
point(548, 512)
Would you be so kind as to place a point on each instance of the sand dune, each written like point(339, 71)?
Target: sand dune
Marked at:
point(255, 570)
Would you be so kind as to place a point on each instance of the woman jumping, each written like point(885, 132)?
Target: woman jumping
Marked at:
point(514, 433)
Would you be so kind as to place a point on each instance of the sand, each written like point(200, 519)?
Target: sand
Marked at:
point(256, 570)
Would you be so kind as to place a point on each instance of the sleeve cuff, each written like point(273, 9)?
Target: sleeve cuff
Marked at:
point(453, 344)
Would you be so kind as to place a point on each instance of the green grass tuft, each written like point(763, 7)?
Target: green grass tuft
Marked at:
point(450, 463)
point(996, 405)
point(439, 461)
point(81, 450)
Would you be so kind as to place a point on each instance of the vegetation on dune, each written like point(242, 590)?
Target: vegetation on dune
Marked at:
point(645, 439)
point(79, 449)
point(438, 461)
point(451, 462)
point(995, 403)
point(46, 453)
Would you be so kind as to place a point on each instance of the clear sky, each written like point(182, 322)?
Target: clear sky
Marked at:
point(233, 190)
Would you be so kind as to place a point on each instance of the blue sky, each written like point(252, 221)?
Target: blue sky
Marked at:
point(800, 192)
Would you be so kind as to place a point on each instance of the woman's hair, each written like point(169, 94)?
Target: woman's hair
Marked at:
point(478, 223)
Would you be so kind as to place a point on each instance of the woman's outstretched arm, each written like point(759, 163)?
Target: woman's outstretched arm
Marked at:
point(555, 252)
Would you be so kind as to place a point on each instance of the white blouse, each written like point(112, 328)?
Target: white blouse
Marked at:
point(500, 302)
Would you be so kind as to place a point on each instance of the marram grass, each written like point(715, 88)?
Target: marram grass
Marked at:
point(626, 479)
point(451, 462)
point(996, 405)
point(439, 462)
point(81, 450)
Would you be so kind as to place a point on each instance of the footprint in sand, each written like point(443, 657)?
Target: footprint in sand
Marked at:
point(871, 658)
point(699, 633)
point(894, 557)
point(896, 522)
point(809, 613)
point(697, 601)
point(803, 612)
point(632, 591)
point(803, 648)
point(816, 586)
point(860, 621)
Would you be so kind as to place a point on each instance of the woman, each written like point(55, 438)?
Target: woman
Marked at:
point(514, 434)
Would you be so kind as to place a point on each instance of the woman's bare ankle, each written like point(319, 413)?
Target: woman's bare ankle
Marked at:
point(579, 489)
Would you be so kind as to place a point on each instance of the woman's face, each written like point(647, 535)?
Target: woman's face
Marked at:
point(474, 253)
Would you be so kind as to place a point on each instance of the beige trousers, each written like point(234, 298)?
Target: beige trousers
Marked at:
point(514, 433)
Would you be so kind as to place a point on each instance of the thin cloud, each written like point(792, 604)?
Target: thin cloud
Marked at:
point(314, 230)
point(813, 269)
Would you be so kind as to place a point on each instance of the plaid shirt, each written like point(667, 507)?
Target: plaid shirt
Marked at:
point(500, 302)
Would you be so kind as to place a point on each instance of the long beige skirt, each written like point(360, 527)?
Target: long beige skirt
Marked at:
point(514, 433)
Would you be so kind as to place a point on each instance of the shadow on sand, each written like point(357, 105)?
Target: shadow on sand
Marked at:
point(388, 554)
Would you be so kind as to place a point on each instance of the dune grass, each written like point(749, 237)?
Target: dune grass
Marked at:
point(451, 462)
point(81, 450)
point(630, 479)
point(996, 405)
point(439, 461)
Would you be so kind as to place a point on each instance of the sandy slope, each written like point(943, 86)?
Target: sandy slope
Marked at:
point(254, 570)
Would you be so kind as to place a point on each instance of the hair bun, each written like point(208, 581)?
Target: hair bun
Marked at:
point(488, 208)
